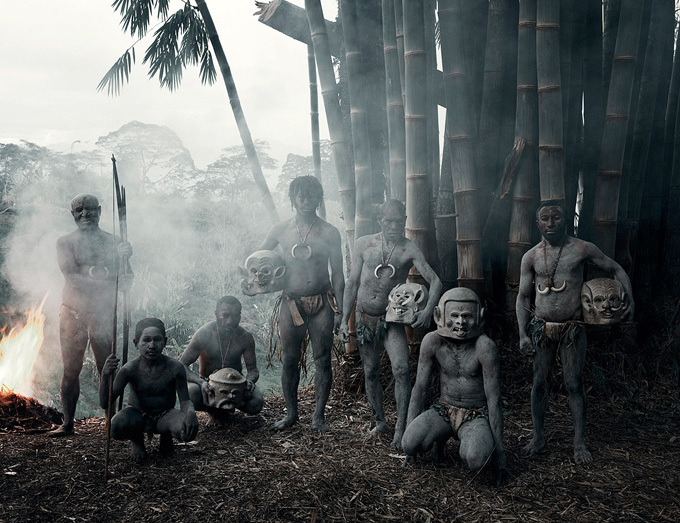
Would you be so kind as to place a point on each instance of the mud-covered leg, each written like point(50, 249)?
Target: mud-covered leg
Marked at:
point(427, 431)
point(573, 359)
point(321, 338)
point(396, 346)
point(291, 340)
point(543, 361)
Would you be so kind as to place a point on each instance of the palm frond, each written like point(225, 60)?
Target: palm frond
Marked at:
point(118, 74)
point(136, 14)
point(208, 73)
point(163, 54)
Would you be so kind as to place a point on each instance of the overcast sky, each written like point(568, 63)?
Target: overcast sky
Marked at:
point(53, 53)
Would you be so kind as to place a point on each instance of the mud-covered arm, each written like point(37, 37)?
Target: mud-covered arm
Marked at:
point(487, 352)
point(606, 264)
point(351, 289)
point(121, 379)
point(271, 240)
point(250, 359)
point(425, 364)
point(337, 274)
point(523, 303)
point(423, 317)
point(190, 427)
point(189, 356)
point(73, 272)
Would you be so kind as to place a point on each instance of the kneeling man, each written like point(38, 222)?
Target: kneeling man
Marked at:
point(222, 344)
point(469, 406)
point(155, 382)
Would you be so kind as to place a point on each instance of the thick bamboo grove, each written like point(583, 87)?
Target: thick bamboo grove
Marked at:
point(578, 110)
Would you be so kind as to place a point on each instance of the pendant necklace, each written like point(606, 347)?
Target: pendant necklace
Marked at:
point(550, 285)
point(219, 341)
point(307, 253)
point(385, 262)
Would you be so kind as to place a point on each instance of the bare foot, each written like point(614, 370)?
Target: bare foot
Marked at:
point(138, 452)
point(286, 422)
point(380, 428)
point(410, 460)
point(534, 447)
point(61, 431)
point(581, 455)
point(166, 447)
point(396, 441)
point(319, 426)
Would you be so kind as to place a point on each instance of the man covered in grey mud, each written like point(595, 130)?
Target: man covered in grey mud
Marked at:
point(308, 302)
point(381, 262)
point(469, 404)
point(155, 382)
point(222, 344)
point(89, 259)
point(555, 268)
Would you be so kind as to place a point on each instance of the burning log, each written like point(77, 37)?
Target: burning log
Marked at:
point(22, 414)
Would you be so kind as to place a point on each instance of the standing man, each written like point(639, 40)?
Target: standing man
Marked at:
point(222, 344)
point(89, 260)
point(555, 266)
point(309, 245)
point(381, 262)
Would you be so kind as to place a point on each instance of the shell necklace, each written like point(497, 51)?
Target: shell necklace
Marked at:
point(550, 285)
point(385, 262)
point(307, 253)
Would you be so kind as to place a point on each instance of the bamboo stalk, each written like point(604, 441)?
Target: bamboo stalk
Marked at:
point(329, 92)
point(459, 124)
point(526, 129)
point(395, 105)
point(314, 120)
point(608, 183)
point(399, 36)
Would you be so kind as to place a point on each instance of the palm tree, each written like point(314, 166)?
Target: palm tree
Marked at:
point(167, 57)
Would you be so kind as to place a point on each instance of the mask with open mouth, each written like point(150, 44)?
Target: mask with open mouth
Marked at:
point(603, 300)
point(459, 314)
point(227, 388)
point(404, 301)
point(263, 273)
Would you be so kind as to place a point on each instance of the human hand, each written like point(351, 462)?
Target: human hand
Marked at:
point(526, 347)
point(125, 282)
point(110, 365)
point(422, 319)
point(190, 426)
point(205, 391)
point(344, 333)
point(124, 249)
point(248, 393)
point(337, 321)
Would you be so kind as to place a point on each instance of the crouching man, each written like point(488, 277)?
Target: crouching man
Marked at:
point(155, 381)
point(220, 345)
point(469, 405)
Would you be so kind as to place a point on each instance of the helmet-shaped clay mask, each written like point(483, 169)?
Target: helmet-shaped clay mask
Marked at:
point(264, 272)
point(227, 388)
point(459, 315)
point(404, 301)
point(603, 300)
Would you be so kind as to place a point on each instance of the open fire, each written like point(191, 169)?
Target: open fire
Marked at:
point(19, 351)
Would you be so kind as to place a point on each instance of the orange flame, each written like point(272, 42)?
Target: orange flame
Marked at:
point(19, 352)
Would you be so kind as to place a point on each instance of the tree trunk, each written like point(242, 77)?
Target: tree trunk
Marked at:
point(415, 74)
point(445, 222)
point(358, 92)
point(526, 129)
point(459, 124)
point(314, 118)
point(399, 35)
point(669, 125)
point(671, 266)
point(329, 92)
point(395, 105)
point(612, 13)
point(550, 131)
point(474, 15)
point(235, 102)
point(608, 182)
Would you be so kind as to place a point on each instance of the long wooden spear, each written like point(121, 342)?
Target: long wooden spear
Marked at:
point(122, 220)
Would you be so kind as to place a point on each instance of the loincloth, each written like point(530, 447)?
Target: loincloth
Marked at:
point(371, 330)
point(150, 419)
point(307, 305)
point(456, 416)
point(541, 331)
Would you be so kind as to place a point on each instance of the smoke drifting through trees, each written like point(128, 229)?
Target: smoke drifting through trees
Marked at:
point(188, 236)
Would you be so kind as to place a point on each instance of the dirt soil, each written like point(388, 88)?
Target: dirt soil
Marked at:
point(245, 472)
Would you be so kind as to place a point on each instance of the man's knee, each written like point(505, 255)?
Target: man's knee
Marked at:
point(401, 372)
point(196, 396)
point(475, 458)
point(410, 441)
point(255, 404)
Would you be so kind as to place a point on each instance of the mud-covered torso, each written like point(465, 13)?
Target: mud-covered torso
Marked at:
point(373, 293)
point(306, 277)
point(462, 383)
point(219, 349)
point(92, 256)
point(153, 388)
point(564, 305)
